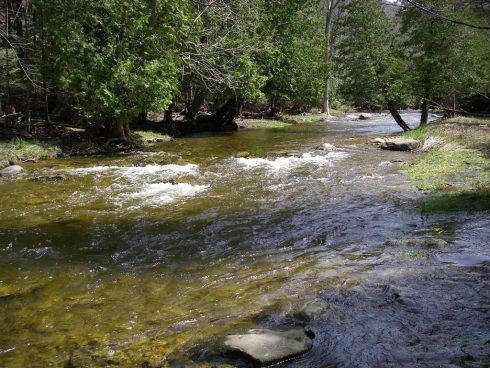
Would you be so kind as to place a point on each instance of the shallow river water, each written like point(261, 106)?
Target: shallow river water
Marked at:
point(146, 259)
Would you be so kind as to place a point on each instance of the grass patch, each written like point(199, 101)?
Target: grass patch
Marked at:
point(152, 137)
point(308, 118)
point(443, 170)
point(419, 133)
point(20, 149)
point(457, 172)
point(268, 124)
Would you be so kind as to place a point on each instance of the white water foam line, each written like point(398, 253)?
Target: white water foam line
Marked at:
point(282, 164)
point(138, 171)
point(164, 193)
point(150, 185)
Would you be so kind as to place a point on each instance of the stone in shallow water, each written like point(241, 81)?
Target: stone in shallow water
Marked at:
point(400, 144)
point(243, 154)
point(417, 242)
point(326, 147)
point(266, 346)
point(11, 170)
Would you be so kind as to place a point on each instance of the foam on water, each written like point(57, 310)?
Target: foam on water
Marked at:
point(129, 172)
point(163, 193)
point(150, 185)
point(281, 164)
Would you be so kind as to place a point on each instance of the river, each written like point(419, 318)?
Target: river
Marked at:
point(144, 259)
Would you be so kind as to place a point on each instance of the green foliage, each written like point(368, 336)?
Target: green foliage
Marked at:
point(19, 149)
point(293, 54)
point(371, 68)
point(445, 59)
point(107, 54)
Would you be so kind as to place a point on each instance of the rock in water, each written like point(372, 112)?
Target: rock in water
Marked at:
point(364, 117)
point(326, 147)
point(266, 346)
point(11, 170)
point(378, 141)
point(49, 178)
point(400, 144)
point(243, 154)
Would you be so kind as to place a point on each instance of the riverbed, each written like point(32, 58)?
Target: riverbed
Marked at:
point(145, 259)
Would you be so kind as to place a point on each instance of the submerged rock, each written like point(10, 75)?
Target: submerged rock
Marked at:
point(266, 346)
point(49, 178)
point(417, 242)
point(400, 144)
point(243, 154)
point(311, 310)
point(11, 170)
point(326, 147)
point(377, 141)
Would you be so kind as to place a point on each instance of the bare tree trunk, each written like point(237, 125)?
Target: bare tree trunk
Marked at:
point(399, 120)
point(196, 104)
point(224, 118)
point(47, 117)
point(169, 118)
point(118, 131)
point(153, 5)
point(330, 6)
point(424, 117)
point(7, 61)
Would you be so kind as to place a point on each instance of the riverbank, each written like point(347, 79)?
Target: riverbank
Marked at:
point(43, 143)
point(455, 168)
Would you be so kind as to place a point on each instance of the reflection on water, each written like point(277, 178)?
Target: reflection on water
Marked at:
point(146, 257)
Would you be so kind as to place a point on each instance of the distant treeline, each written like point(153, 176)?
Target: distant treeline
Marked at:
point(107, 63)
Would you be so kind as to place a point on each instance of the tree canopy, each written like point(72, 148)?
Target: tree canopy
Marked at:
point(114, 60)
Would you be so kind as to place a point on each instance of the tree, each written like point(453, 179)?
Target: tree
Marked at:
point(448, 60)
point(330, 7)
point(293, 59)
point(373, 73)
point(117, 57)
point(220, 59)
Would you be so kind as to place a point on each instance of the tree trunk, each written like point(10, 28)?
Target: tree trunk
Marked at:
point(118, 131)
point(326, 98)
point(424, 117)
point(153, 5)
point(7, 56)
point(399, 120)
point(195, 106)
point(330, 7)
point(224, 118)
point(169, 114)
point(47, 117)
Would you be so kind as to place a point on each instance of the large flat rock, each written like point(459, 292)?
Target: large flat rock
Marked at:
point(11, 170)
point(400, 144)
point(266, 346)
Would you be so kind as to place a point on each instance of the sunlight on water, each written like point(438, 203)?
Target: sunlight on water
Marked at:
point(147, 257)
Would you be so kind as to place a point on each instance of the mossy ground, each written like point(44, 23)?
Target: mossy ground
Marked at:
point(20, 149)
point(152, 137)
point(456, 172)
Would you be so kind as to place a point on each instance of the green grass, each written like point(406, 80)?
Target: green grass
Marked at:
point(152, 137)
point(457, 172)
point(309, 118)
point(442, 170)
point(419, 133)
point(20, 149)
point(268, 124)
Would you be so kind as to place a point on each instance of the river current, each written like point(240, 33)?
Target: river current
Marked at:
point(145, 259)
